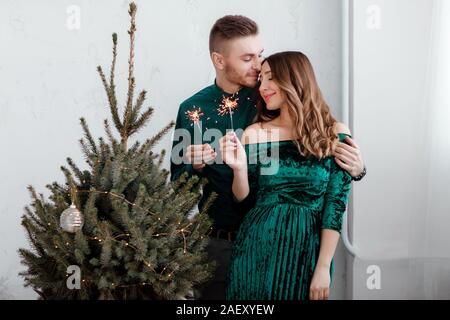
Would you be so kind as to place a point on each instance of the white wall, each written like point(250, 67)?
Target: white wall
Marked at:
point(401, 119)
point(48, 80)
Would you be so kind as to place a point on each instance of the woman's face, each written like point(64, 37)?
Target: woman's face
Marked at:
point(268, 90)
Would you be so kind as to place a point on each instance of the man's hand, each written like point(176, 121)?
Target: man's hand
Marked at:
point(198, 155)
point(349, 158)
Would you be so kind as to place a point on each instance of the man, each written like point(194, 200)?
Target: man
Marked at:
point(236, 52)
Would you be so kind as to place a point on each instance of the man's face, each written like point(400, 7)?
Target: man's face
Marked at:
point(242, 60)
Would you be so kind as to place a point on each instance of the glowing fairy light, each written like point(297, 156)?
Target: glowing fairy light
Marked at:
point(227, 106)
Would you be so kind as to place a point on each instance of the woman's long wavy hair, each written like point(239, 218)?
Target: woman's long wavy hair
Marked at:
point(313, 122)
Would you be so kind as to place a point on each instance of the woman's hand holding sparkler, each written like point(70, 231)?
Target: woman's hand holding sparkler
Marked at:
point(233, 152)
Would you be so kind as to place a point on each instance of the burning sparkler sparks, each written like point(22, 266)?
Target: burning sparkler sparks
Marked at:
point(195, 116)
point(227, 106)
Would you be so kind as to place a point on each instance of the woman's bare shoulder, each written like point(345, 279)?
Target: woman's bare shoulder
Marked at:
point(251, 133)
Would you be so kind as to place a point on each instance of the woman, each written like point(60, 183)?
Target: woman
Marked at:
point(287, 240)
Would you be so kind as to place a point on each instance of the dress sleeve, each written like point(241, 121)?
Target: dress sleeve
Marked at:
point(336, 197)
point(253, 175)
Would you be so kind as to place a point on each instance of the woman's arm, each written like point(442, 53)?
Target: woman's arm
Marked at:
point(328, 243)
point(240, 187)
point(233, 154)
point(335, 203)
point(320, 283)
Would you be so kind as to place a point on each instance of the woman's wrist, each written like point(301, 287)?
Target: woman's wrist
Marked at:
point(240, 171)
point(323, 264)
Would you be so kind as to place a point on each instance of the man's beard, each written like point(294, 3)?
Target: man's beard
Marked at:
point(240, 80)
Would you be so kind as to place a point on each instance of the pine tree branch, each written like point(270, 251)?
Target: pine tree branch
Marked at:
point(88, 136)
point(161, 159)
point(32, 230)
point(72, 186)
point(138, 106)
point(134, 147)
point(112, 101)
point(58, 195)
point(110, 136)
point(30, 215)
point(141, 122)
point(113, 66)
point(150, 142)
point(90, 211)
point(212, 197)
point(86, 152)
point(131, 79)
point(105, 255)
point(75, 170)
point(105, 150)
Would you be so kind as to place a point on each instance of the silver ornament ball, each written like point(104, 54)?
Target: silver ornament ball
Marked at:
point(71, 219)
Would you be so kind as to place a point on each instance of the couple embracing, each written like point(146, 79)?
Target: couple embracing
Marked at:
point(282, 170)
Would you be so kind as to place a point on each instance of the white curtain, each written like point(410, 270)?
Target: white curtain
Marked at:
point(437, 222)
point(401, 119)
point(429, 255)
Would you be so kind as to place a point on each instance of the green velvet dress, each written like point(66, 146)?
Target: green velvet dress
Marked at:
point(291, 199)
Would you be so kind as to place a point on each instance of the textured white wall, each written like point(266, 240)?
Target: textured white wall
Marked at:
point(48, 80)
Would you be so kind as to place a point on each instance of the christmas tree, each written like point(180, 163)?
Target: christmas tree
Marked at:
point(129, 232)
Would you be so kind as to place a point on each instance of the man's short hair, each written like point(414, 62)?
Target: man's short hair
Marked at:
point(228, 28)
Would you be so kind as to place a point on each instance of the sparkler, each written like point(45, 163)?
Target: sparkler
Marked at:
point(195, 116)
point(228, 105)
